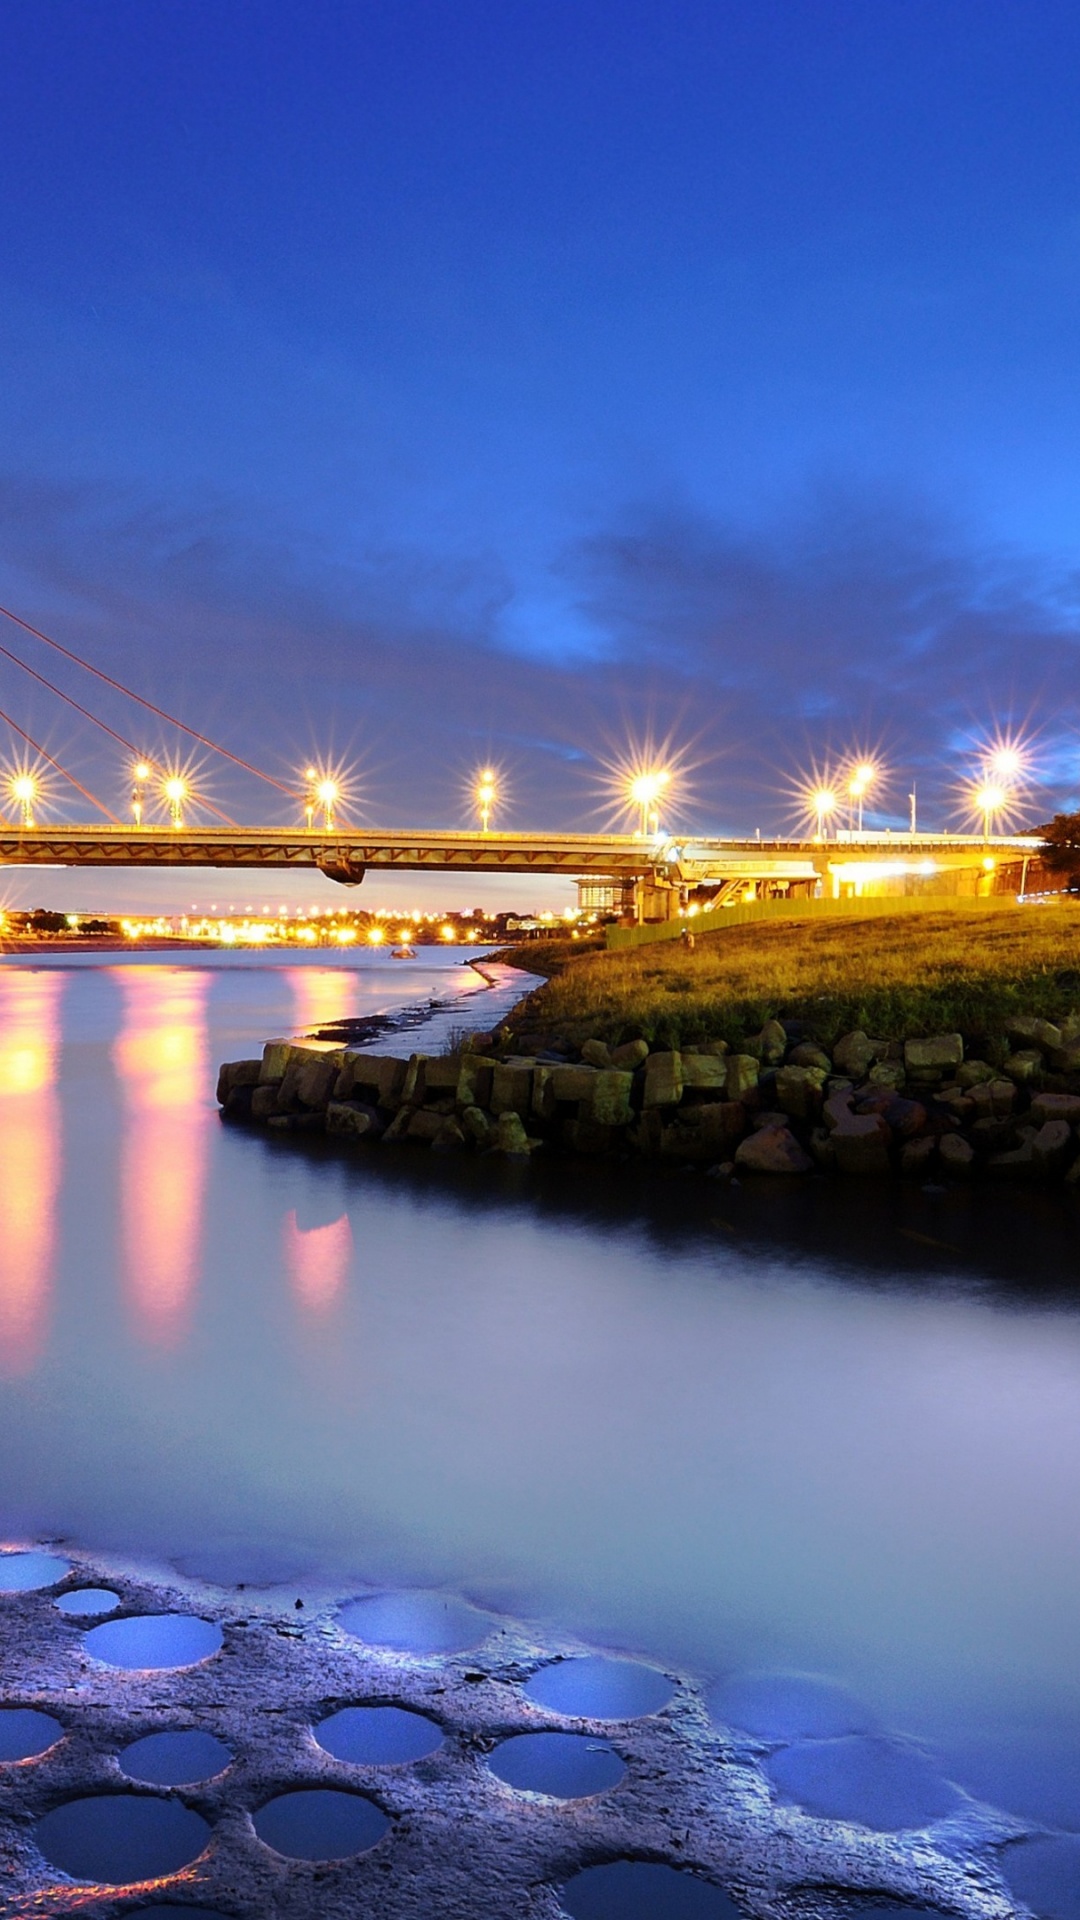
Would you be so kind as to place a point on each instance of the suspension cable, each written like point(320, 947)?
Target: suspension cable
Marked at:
point(85, 791)
point(129, 694)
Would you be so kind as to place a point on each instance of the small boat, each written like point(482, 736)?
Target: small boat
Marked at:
point(403, 953)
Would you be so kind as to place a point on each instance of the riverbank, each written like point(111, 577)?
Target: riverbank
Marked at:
point(798, 1093)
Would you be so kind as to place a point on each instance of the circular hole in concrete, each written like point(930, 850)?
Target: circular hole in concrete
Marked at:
point(378, 1736)
point(25, 1572)
point(789, 1706)
point(320, 1824)
point(25, 1732)
point(154, 1640)
point(600, 1689)
point(877, 1783)
point(117, 1837)
point(1046, 1875)
point(175, 1759)
point(416, 1622)
point(85, 1601)
point(635, 1890)
point(566, 1765)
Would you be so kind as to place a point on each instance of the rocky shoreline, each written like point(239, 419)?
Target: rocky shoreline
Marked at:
point(778, 1104)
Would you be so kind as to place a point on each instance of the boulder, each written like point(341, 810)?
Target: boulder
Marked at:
point(510, 1135)
point(1053, 1147)
point(632, 1053)
point(351, 1118)
point(809, 1054)
point(450, 1137)
point(772, 1150)
point(917, 1157)
point(975, 1073)
point(477, 1126)
point(596, 1053)
point(799, 1091)
point(1025, 1031)
point(932, 1058)
point(1056, 1106)
point(956, 1154)
point(887, 1073)
point(237, 1073)
point(774, 1043)
point(264, 1099)
point(905, 1118)
point(663, 1080)
point(1024, 1067)
point(609, 1105)
point(511, 1089)
point(704, 1071)
point(742, 1075)
point(855, 1054)
point(572, 1083)
point(861, 1144)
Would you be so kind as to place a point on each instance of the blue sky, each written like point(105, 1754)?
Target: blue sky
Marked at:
point(432, 383)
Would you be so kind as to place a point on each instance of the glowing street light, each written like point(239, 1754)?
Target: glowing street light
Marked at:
point(175, 791)
point(861, 780)
point(487, 793)
point(140, 774)
point(645, 790)
point(326, 794)
point(24, 788)
point(990, 800)
point(822, 803)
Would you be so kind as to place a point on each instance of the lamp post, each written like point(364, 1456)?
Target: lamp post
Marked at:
point(486, 796)
point(645, 791)
point(24, 792)
point(176, 793)
point(823, 802)
point(990, 800)
point(859, 785)
point(326, 793)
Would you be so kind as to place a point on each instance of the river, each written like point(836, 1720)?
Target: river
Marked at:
point(733, 1430)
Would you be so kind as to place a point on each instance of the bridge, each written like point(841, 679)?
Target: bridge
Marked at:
point(647, 874)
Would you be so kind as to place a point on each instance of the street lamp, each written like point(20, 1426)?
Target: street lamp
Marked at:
point(24, 791)
point(140, 774)
point(859, 785)
point(175, 791)
point(326, 794)
point(822, 802)
point(486, 796)
point(311, 775)
point(990, 800)
point(645, 790)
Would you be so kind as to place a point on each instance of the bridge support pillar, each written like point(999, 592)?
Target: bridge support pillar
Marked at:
point(655, 900)
point(338, 866)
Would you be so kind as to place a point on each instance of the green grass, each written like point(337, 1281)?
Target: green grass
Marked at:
point(893, 976)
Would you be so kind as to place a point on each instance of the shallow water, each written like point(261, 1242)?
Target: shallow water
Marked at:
point(751, 1432)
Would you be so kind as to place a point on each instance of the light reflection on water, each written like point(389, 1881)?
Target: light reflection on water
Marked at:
point(601, 1408)
point(30, 1161)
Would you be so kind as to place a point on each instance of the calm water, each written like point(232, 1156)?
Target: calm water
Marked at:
point(731, 1429)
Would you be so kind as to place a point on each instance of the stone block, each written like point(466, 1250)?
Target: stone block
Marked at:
point(477, 1126)
point(238, 1103)
point(511, 1089)
point(975, 1073)
point(237, 1073)
point(609, 1103)
point(861, 1144)
point(1025, 1031)
point(809, 1054)
point(772, 1150)
point(932, 1058)
point(799, 1091)
point(352, 1118)
point(572, 1083)
point(596, 1053)
point(450, 1137)
point(742, 1075)
point(275, 1059)
point(957, 1155)
point(474, 1081)
point(543, 1093)
point(837, 1110)
point(1053, 1147)
point(705, 1071)
point(308, 1080)
point(855, 1054)
point(632, 1053)
point(424, 1125)
point(411, 1085)
point(439, 1076)
point(399, 1125)
point(264, 1099)
point(1025, 1068)
point(1056, 1106)
point(1066, 1059)
point(887, 1073)
point(663, 1080)
point(774, 1043)
point(376, 1074)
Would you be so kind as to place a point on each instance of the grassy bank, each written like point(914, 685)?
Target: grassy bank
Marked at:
point(896, 977)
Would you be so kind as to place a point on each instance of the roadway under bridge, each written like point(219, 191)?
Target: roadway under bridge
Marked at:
point(648, 878)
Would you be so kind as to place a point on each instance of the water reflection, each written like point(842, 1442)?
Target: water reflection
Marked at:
point(317, 1261)
point(30, 1156)
point(161, 1059)
point(321, 995)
